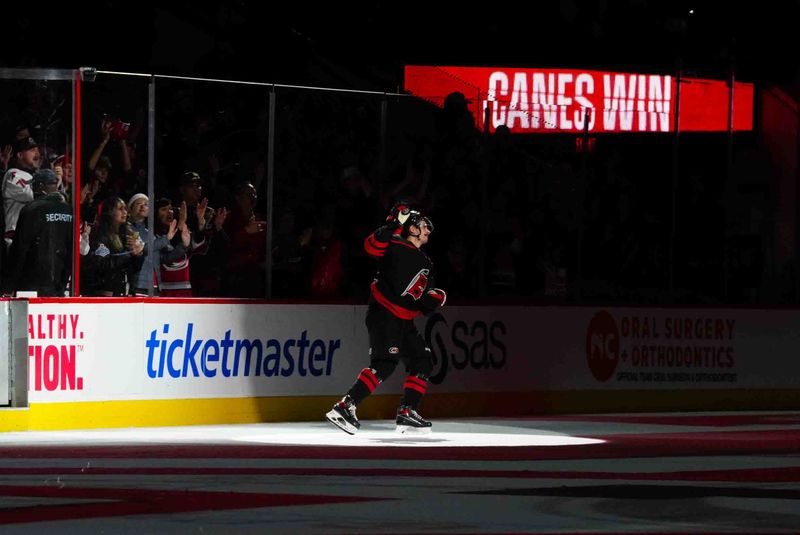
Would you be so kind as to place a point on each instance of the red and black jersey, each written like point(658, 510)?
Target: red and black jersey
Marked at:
point(404, 282)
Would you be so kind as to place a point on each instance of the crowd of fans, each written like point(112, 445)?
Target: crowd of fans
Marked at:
point(525, 217)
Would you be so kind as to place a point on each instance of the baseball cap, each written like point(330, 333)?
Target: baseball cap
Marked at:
point(62, 160)
point(26, 143)
point(45, 177)
point(190, 177)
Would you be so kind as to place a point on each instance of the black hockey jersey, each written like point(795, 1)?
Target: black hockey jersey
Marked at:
point(404, 283)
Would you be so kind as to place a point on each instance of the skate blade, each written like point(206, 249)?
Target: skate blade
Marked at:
point(410, 430)
point(340, 423)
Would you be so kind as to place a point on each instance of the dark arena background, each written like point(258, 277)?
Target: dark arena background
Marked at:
point(614, 189)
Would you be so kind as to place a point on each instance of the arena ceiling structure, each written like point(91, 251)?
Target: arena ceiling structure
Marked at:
point(368, 43)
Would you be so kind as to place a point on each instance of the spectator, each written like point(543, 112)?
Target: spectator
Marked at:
point(111, 131)
point(191, 192)
point(62, 165)
point(290, 253)
point(354, 214)
point(173, 272)
point(247, 230)
point(98, 186)
point(457, 270)
point(84, 245)
point(327, 269)
point(206, 273)
point(115, 254)
point(144, 280)
point(17, 191)
point(40, 254)
point(136, 179)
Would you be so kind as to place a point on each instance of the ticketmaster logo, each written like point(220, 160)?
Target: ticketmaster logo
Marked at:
point(187, 356)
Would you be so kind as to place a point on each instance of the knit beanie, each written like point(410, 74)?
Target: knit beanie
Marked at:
point(134, 199)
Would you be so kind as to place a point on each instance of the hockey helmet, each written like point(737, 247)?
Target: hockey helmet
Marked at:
point(415, 218)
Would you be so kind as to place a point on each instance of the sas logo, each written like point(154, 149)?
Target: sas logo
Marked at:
point(477, 345)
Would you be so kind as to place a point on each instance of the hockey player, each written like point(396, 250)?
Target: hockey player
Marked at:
point(403, 288)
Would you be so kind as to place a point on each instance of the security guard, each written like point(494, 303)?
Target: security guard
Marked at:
point(39, 259)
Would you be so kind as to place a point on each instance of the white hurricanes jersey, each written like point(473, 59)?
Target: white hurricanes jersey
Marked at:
point(17, 192)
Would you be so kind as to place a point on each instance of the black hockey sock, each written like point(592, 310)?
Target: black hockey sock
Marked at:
point(413, 390)
point(365, 384)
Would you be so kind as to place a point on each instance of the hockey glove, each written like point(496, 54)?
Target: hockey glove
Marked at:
point(396, 218)
point(438, 295)
point(399, 213)
point(393, 226)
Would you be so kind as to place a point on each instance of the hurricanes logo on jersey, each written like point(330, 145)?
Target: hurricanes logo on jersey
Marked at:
point(417, 284)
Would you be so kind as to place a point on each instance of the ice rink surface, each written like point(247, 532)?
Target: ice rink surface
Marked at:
point(623, 473)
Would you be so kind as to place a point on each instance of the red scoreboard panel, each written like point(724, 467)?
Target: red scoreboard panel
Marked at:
point(562, 101)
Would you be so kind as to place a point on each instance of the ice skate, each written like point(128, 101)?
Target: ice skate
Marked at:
point(409, 421)
point(343, 416)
